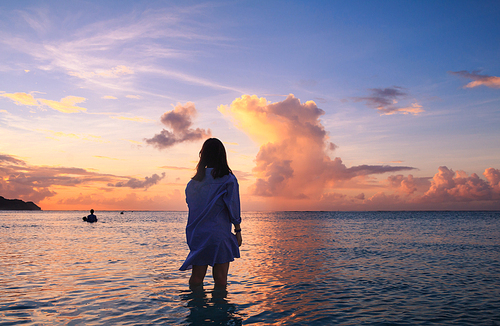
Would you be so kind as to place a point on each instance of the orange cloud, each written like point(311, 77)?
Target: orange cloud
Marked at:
point(57, 135)
point(66, 105)
point(414, 109)
point(293, 159)
point(478, 80)
point(135, 97)
point(134, 119)
point(21, 98)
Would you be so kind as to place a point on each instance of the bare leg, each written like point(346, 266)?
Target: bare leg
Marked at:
point(219, 273)
point(197, 275)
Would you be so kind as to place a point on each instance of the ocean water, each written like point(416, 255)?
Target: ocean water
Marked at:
point(296, 268)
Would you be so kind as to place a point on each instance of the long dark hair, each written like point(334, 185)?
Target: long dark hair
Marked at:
point(212, 155)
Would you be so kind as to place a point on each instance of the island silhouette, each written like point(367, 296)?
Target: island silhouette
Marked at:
point(17, 205)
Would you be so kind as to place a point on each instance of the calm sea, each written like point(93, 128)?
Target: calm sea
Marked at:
point(296, 268)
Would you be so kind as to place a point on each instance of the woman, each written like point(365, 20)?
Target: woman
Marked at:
point(213, 200)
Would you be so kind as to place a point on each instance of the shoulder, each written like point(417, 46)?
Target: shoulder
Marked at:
point(230, 180)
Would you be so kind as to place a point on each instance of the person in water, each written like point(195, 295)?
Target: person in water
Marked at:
point(213, 200)
point(91, 218)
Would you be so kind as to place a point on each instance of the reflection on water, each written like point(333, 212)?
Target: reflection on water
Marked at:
point(210, 307)
point(296, 268)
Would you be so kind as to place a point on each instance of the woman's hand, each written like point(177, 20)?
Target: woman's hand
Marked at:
point(238, 237)
point(237, 230)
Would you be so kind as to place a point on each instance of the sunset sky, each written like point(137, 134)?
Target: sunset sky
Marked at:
point(322, 105)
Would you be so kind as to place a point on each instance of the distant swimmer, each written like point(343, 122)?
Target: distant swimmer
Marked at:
point(91, 218)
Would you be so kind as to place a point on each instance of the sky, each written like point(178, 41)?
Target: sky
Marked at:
point(321, 105)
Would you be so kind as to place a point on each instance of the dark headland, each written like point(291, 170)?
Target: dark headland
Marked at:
point(17, 205)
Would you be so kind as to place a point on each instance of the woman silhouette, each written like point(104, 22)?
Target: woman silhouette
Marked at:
point(213, 200)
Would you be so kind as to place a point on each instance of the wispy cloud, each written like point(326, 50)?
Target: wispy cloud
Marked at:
point(385, 100)
point(478, 79)
point(135, 119)
point(115, 72)
point(65, 105)
point(180, 121)
point(58, 135)
point(107, 158)
point(169, 167)
point(21, 98)
point(110, 53)
point(136, 183)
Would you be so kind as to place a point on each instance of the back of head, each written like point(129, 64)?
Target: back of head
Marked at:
point(212, 155)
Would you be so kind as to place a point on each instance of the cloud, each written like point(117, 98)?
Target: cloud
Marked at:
point(478, 80)
point(109, 97)
point(135, 119)
point(360, 196)
point(135, 97)
point(169, 167)
point(104, 52)
point(65, 105)
point(115, 72)
point(450, 186)
point(180, 121)
point(493, 177)
point(135, 142)
point(135, 183)
point(22, 98)
point(385, 100)
point(292, 161)
point(35, 183)
point(4, 158)
point(408, 185)
point(88, 137)
point(107, 158)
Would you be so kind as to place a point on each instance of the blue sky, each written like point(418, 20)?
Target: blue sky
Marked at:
point(84, 84)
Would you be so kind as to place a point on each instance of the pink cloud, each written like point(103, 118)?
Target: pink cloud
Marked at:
point(493, 177)
point(449, 186)
point(478, 80)
point(408, 185)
